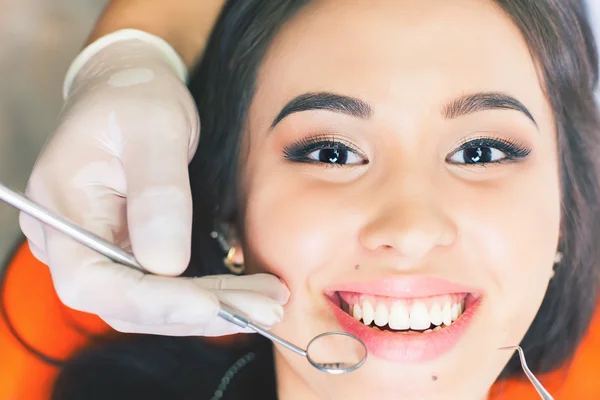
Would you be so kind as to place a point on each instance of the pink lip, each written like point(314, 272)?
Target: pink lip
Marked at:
point(404, 287)
point(407, 347)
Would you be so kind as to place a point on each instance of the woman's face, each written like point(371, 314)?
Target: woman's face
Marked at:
point(402, 168)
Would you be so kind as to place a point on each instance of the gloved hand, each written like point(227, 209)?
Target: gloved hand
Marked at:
point(117, 166)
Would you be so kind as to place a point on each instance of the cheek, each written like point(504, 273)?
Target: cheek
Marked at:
point(293, 230)
point(512, 233)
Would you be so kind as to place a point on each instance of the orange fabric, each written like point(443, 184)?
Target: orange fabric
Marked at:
point(43, 322)
point(580, 380)
point(50, 327)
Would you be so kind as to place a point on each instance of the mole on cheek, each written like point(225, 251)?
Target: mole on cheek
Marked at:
point(357, 266)
point(434, 378)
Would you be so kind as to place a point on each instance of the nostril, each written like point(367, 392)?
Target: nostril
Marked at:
point(411, 231)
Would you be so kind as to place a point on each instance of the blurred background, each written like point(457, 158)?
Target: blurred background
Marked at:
point(38, 41)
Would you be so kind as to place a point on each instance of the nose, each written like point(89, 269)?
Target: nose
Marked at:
point(410, 228)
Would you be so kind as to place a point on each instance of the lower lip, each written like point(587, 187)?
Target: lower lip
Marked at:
point(409, 347)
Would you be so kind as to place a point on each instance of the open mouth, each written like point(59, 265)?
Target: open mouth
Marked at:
point(406, 316)
point(405, 329)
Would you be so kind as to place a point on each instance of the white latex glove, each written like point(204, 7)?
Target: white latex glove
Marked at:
point(117, 166)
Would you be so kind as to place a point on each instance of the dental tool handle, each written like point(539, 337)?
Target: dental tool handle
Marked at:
point(229, 315)
point(117, 254)
point(537, 385)
point(539, 388)
point(82, 236)
point(534, 381)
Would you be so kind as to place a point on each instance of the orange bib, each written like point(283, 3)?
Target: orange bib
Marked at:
point(54, 330)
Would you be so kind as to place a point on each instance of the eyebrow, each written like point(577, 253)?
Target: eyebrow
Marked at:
point(472, 103)
point(325, 101)
point(459, 107)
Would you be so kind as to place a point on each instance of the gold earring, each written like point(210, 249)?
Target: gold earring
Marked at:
point(232, 266)
point(558, 257)
point(557, 260)
point(229, 260)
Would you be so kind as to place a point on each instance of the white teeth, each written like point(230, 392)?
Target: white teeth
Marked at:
point(454, 312)
point(357, 312)
point(435, 314)
point(399, 318)
point(368, 313)
point(406, 315)
point(419, 316)
point(381, 315)
point(447, 314)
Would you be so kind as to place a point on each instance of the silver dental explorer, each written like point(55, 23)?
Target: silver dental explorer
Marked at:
point(534, 381)
point(323, 351)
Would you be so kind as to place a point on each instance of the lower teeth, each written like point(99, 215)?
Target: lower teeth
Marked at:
point(388, 329)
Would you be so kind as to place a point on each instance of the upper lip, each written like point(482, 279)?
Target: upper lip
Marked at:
point(404, 287)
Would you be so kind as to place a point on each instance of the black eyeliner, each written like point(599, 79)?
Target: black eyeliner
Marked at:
point(300, 149)
point(513, 150)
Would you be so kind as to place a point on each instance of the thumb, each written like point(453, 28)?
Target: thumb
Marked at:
point(159, 203)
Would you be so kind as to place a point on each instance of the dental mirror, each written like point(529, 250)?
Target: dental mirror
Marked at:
point(331, 352)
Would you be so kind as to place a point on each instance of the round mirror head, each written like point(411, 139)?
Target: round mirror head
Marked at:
point(336, 352)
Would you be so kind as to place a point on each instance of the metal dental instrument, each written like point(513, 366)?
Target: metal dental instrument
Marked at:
point(536, 384)
point(323, 351)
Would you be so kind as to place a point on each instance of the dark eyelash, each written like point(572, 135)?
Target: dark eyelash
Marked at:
point(513, 149)
point(300, 149)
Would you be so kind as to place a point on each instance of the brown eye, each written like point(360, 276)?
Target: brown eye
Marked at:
point(339, 156)
point(487, 151)
point(326, 152)
point(477, 155)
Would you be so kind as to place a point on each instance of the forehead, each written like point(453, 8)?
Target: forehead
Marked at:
point(400, 54)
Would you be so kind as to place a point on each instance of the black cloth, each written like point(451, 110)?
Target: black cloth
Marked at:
point(156, 367)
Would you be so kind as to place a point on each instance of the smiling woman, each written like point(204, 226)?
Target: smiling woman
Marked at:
point(464, 138)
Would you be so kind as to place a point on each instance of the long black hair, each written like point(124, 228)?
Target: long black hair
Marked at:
point(561, 42)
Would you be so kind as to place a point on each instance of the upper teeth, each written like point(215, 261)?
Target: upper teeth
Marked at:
point(401, 314)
